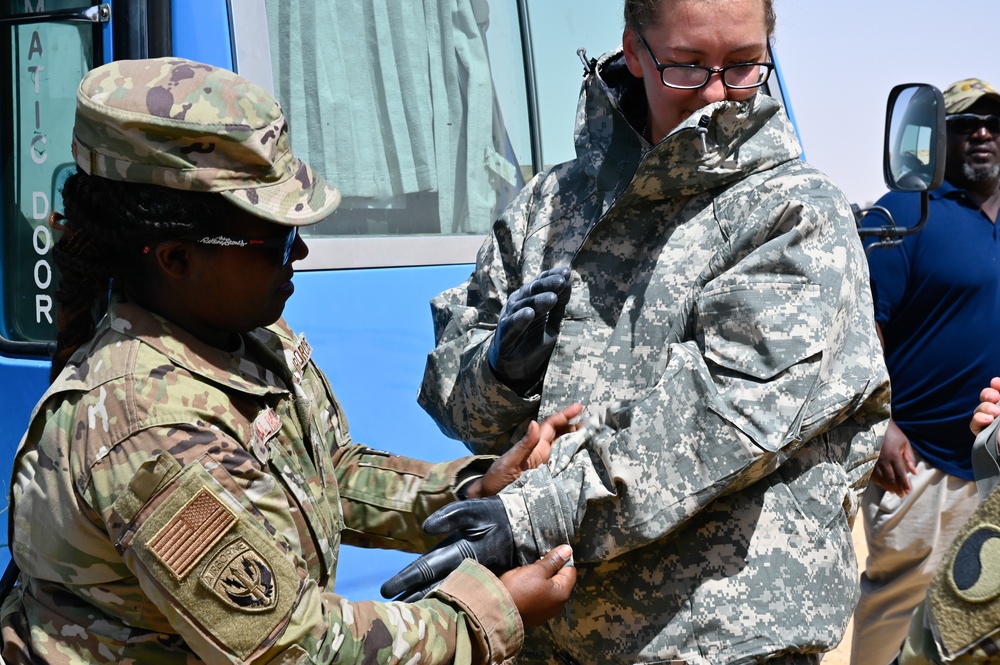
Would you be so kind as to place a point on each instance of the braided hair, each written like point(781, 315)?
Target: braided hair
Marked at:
point(106, 228)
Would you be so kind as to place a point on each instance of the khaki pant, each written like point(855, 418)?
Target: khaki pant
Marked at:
point(906, 539)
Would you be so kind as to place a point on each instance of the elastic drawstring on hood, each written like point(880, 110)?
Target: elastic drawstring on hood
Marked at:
point(702, 129)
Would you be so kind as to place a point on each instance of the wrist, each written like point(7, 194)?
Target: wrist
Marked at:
point(470, 488)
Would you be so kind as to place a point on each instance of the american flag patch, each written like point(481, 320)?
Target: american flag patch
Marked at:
point(182, 542)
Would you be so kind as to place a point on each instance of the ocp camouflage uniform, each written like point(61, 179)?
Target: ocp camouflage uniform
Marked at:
point(720, 332)
point(174, 503)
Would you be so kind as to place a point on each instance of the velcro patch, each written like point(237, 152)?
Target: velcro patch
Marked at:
point(241, 578)
point(301, 353)
point(265, 426)
point(964, 593)
point(199, 524)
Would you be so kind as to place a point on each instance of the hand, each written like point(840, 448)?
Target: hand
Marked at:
point(988, 408)
point(530, 452)
point(895, 462)
point(540, 589)
point(482, 533)
point(527, 328)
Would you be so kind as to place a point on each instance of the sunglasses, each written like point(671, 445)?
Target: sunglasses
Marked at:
point(283, 243)
point(969, 123)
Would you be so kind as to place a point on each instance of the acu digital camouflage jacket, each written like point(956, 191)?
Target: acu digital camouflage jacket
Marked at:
point(720, 333)
point(174, 503)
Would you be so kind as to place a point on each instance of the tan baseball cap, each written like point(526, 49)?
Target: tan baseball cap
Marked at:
point(960, 95)
point(186, 125)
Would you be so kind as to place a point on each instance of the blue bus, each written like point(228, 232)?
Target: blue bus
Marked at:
point(428, 116)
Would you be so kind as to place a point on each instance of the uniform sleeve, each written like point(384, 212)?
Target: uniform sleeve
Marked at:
point(459, 389)
point(211, 541)
point(386, 498)
point(784, 352)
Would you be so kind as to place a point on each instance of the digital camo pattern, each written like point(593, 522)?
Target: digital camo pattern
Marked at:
point(186, 125)
point(174, 503)
point(720, 336)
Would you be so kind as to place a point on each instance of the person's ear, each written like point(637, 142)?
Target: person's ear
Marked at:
point(173, 258)
point(630, 46)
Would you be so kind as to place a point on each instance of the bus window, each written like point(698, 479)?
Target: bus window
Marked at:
point(416, 111)
point(42, 64)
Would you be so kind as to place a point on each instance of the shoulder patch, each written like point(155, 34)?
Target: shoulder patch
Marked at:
point(241, 578)
point(198, 525)
point(974, 573)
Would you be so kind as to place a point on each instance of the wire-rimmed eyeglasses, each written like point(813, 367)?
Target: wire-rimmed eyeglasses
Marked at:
point(285, 243)
point(741, 76)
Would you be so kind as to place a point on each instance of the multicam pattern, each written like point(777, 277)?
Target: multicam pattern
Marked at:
point(149, 530)
point(720, 335)
point(186, 125)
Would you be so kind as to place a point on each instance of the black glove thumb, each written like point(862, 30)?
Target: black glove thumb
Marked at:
point(480, 530)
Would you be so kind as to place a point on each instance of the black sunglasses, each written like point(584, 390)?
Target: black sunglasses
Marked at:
point(284, 243)
point(969, 123)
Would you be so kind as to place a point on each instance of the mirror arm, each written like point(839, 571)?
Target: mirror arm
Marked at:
point(891, 235)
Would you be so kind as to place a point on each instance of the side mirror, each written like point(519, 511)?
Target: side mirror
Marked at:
point(915, 139)
point(913, 156)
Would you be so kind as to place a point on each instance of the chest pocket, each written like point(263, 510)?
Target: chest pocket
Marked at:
point(761, 329)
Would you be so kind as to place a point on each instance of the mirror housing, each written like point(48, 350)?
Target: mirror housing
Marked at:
point(913, 155)
point(915, 138)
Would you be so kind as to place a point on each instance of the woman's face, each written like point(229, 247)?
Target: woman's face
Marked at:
point(237, 289)
point(712, 33)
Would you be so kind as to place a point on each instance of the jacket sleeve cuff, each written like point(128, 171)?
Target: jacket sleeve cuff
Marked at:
point(538, 516)
point(495, 621)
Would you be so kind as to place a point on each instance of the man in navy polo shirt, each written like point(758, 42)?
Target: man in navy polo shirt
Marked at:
point(937, 306)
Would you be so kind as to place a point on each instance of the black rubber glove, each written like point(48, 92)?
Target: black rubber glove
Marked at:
point(482, 532)
point(527, 328)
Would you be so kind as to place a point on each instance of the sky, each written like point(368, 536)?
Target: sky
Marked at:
point(841, 58)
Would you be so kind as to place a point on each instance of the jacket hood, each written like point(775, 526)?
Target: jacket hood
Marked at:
point(722, 143)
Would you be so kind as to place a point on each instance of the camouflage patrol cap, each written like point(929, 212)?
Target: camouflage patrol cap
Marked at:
point(962, 94)
point(186, 125)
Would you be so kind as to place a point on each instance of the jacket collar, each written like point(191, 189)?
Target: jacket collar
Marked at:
point(272, 345)
point(740, 138)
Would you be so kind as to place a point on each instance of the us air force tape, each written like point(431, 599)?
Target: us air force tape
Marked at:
point(965, 591)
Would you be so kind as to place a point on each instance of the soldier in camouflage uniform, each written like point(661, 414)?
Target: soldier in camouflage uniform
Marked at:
point(184, 486)
point(703, 292)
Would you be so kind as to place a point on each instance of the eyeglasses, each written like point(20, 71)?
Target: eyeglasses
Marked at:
point(285, 243)
point(741, 76)
point(969, 123)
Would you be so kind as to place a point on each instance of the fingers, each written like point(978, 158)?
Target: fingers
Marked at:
point(980, 421)
point(511, 326)
point(541, 589)
point(553, 562)
point(559, 423)
point(554, 280)
point(518, 455)
point(447, 519)
point(429, 568)
point(508, 467)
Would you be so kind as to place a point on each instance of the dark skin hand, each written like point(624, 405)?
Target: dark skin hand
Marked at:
point(540, 589)
point(530, 452)
point(895, 462)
